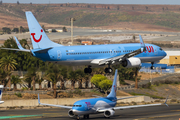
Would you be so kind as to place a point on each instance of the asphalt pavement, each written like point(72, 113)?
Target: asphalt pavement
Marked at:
point(147, 113)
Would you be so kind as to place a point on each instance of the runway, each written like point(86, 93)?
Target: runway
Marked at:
point(147, 113)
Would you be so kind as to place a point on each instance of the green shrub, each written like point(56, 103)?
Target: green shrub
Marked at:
point(18, 94)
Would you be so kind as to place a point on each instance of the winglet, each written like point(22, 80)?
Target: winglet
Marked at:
point(18, 44)
point(39, 99)
point(143, 47)
point(166, 101)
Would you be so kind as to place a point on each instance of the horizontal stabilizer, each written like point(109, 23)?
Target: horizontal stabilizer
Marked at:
point(19, 46)
point(25, 50)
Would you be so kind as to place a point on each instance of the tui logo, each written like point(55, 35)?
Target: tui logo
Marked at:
point(36, 40)
point(149, 49)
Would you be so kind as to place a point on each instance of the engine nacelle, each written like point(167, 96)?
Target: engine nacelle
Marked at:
point(70, 113)
point(109, 113)
point(131, 62)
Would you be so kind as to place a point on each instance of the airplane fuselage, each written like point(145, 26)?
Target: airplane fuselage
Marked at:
point(91, 54)
point(90, 106)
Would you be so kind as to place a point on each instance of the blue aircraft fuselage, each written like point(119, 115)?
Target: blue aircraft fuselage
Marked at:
point(84, 54)
point(90, 106)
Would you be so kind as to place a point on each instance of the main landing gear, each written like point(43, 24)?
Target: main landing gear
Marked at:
point(108, 69)
point(88, 70)
point(86, 116)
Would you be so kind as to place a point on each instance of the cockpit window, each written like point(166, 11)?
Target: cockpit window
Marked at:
point(160, 49)
point(77, 105)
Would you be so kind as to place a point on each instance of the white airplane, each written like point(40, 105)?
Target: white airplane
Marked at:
point(1, 90)
point(104, 105)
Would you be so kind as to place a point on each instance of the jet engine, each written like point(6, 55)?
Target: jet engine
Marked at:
point(131, 62)
point(109, 113)
point(70, 113)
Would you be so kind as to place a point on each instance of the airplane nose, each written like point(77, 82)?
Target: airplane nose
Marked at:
point(164, 53)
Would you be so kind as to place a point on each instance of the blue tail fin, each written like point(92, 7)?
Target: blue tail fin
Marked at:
point(114, 86)
point(38, 36)
point(1, 90)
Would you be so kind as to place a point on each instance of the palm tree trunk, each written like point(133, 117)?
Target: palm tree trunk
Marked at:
point(72, 84)
point(9, 82)
point(40, 86)
point(62, 85)
point(29, 85)
point(33, 82)
point(80, 84)
point(86, 84)
point(136, 74)
point(15, 87)
point(54, 88)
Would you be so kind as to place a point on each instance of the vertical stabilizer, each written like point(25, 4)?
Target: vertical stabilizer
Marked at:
point(114, 86)
point(38, 36)
point(1, 90)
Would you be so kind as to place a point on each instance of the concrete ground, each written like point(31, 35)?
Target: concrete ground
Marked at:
point(147, 113)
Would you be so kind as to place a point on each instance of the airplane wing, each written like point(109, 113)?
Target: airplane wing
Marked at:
point(113, 60)
point(61, 106)
point(133, 106)
point(19, 46)
point(127, 97)
point(127, 107)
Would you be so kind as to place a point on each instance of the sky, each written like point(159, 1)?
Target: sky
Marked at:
point(169, 2)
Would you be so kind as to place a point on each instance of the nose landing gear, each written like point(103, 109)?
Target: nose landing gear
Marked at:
point(152, 67)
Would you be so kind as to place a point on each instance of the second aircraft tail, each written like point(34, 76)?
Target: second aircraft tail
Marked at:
point(114, 86)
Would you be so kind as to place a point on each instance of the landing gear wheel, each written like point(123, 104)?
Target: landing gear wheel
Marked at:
point(87, 116)
point(152, 67)
point(108, 70)
point(87, 70)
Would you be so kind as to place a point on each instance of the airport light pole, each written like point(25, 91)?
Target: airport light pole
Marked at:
point(72, 19)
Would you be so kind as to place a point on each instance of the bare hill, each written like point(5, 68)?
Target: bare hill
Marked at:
point(126, 17)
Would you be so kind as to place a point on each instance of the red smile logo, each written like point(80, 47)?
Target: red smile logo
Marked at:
point(36, 40)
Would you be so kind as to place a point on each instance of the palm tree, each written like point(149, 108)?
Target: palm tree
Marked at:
point(53, 74)
point(15, 80)
point(8, 64)
point(24, 43)
point(3, 77)
point(73, 77)
point(64, 76)
point(80, 76)
point(31, 74)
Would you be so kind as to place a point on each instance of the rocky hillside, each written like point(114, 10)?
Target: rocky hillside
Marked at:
point(132, 17)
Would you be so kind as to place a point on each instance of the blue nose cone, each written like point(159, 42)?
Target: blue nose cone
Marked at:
point(164, 53)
